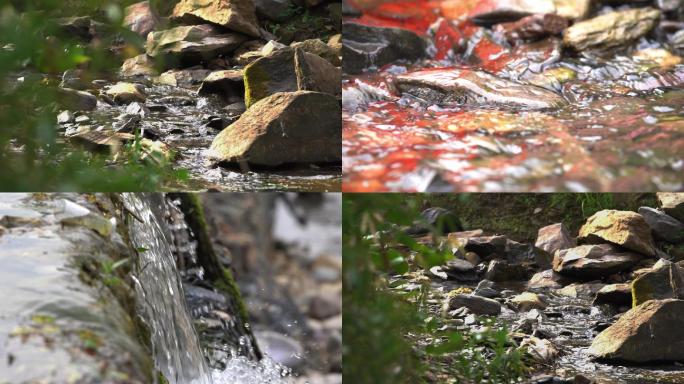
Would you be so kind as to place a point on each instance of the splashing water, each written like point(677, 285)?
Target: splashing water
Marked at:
point(240, 370)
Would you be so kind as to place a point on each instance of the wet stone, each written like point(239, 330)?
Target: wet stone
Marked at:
point(367, 47)
point(476, 88)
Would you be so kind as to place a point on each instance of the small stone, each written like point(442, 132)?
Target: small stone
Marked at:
point(476, 304)
point(125, 93)
point(527, 301)
point(65, 117)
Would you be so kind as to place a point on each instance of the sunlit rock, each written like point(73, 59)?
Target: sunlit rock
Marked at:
point(650, 332)
point(126, 93)
point(140, 18)
point(663, 281)
point(553, 238)
point(319, 48)
point(236, 15)
point(672, 204)
point(624, 228)
point(547, 279)
point(592, 261)
point(527, 301)
point(612, 29)
point(296, 127)
point(141, 65)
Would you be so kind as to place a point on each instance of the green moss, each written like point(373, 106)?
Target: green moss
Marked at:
point(227, 284)
point(255, 79)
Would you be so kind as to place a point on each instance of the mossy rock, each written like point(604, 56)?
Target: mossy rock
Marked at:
point(664, 281)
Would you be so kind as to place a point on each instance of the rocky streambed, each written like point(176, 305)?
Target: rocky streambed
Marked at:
point(227, 90)
point(465, 95)
point(602, 306)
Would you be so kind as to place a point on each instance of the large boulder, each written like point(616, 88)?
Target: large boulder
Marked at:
point(236, 15)
point(296, 127)
point(593, 260)
point(140, 18)
point(624, 228)
point(672, 203)
point(553, 238)
point(663, 226)
point(364, 47)
point(477, 304)
point(663, 281)
point(191, 44)
point(611, 30)
point(289, 70)
point(651, 332)
point(472, 87)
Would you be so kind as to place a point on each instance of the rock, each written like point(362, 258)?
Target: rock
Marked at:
point(611, 30)
point(441, 220)
point(593, 260)
point(141, 65)
point(192, 44)
point(276, 10)
point(499, 270)
point(472, 257)
point(650, 58)
point(476, 304)
point(650, 332)
point(532, 27)
point(580, 290)
point(573, 9)
point(335, 42)
point(297, 127)
point(485, 288)
point(319, 48)
point(182, 77)
point(140, 19)
point(365, 47)
point(472, 87)
point(228, 84)
point(65, 117)
point(615, 294)
point(554, 237)
point(663, 281)
point(540, 350)
point(76, 100)
point(624, 228)
point(102, 140)
point(126, 93)
point(547, 279)
point(669, 5)
point(493, 12)
point(323, 306)
point(72, 78)
point(663, 226)
point(289, 70)
point(527, 301)
point(236, 15)
point(672, 204)
point(81, 27)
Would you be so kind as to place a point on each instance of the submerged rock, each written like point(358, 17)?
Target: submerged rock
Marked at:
point(624, 228)
point(471, 87)
point(650, 332)
point(592, 261)
point(364, 47)
point(236, 15)
point(476, 304)
point(663, 281)
point(664, 226)
point(612, 29)
point(297, 127)
point(192, 44)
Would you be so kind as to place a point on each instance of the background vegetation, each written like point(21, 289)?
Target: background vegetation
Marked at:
point(34, 52)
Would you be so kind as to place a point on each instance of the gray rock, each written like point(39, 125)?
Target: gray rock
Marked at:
point(485, 288)
point(664, 226)
point(499, 270)
point(140, 18)
point(65, 117)
point(553, 238)
point(615, 294)
point(276, 10)
point(76, 100)
point(229, 84)
point(663, 281)
point(547, 279)
point(476, 304)
point(364, 47)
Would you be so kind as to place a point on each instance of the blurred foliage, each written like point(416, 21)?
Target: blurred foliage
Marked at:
point(34, 52)
point(384, 331)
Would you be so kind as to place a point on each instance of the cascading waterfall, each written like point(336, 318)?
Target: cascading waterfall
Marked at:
point(161, 300)
point(177, 352)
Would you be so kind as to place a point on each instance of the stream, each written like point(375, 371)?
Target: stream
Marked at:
point(53, 312)
point(617, 125)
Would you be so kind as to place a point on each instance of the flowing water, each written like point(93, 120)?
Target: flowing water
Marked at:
point(621, 129)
